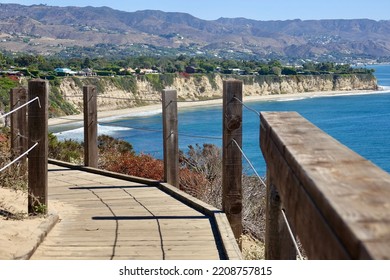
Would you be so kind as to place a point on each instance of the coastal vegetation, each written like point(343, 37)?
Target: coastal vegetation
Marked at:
point(44, 66)
point(125, 74)
point(200, 173)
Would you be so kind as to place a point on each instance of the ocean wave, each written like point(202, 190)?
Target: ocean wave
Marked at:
point(77, 134)
point(133, 114)
point(291, 99)
point(384, 88)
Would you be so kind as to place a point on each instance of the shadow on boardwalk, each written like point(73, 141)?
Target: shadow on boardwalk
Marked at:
point(111, 218)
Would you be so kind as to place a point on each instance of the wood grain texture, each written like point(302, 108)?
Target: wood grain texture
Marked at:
point(37, 158)
point(337, 201)
point(90, 126)
point(19, 132)
point(170, 137)
point(231, 155)
point(119, 219)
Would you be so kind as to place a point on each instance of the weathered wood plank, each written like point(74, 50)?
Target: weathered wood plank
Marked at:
point(278, 242)
point(342, 196)
point(129, 223)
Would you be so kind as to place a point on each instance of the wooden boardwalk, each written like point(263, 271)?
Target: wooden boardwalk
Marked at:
point(108, 218)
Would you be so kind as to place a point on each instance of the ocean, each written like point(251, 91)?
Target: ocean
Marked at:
point(361, 122)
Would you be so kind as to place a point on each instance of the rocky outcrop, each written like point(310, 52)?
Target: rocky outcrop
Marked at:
point(200, 87)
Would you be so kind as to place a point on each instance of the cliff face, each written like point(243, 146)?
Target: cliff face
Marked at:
point(200, 87)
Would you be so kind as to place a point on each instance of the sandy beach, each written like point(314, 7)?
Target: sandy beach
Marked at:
point(136, 111)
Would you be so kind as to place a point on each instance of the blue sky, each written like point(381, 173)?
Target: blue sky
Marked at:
point(253, 9)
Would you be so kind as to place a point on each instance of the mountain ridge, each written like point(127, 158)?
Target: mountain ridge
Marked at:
point(50, 29)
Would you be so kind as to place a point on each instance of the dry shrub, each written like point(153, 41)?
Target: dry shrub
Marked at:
point(15, 176)
point(111, 149)
point(254, 206)
point(252, 248)
point(206, 160)
point(192, 183)
point(137, 165)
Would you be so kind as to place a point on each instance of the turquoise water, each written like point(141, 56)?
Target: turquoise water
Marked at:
point(361, 122)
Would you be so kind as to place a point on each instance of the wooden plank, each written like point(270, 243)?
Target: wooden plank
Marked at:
point(183, 232)
point(231, 155)
point(278, 242)
point(346, 196)
point(65, 238)
point(231, 248)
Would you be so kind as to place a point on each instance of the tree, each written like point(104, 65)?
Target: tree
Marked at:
point(208, 67)
point(86, 63)
point(275, 63)
point(25, 60)
point(276, 70)
point(289, 71)
point(264, 70)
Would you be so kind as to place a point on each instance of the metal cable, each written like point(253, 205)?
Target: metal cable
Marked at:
point(292, 235)
point(116, 98)
point(77, 95)
point(129, 99)
point(19, 157)
point(192, 101)
point(199, 136)
point(249, 162)
point(22, 136)
point(24, 105)
point(246, 106)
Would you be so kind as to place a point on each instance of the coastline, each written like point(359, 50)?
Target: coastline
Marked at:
point(156, 108)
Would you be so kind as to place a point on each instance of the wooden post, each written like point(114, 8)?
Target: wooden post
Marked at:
point(278, 242)
point(170, 137)
point(37, 158)
point(19, 133)
point(231, 155)
point(90, 126)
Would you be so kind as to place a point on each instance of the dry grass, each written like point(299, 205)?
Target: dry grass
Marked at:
point(252, 249)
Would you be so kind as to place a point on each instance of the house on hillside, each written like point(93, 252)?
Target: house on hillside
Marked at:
point(65, 72)
point(143, 71)
point(86, 72)
point(12, 74)
point(128, 70)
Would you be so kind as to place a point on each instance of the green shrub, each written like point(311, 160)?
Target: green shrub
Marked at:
point(6, 84)
point(78, 82)
point(126, 83)
point(68, 150)
point(14, 177)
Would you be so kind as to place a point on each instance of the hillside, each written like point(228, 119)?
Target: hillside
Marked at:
point(48, 30)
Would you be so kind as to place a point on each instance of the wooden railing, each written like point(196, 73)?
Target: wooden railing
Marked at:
point(336, 202)
point(29, 134)
point(38, 131)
